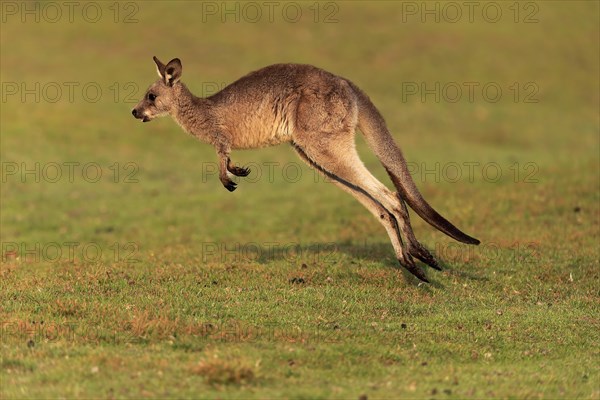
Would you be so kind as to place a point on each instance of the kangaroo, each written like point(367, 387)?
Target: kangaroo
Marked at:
point(318, 113)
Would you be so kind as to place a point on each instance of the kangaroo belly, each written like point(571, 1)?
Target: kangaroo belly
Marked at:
point(265, 123)
point(251, 139)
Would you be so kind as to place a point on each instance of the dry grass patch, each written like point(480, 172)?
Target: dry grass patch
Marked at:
point(232, 371)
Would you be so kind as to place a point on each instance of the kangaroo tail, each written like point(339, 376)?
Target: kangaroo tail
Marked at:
point(379, 139)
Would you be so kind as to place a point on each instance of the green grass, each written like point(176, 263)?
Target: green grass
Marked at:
point(157, 282)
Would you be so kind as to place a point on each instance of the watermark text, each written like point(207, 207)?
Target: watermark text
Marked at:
point(52, 12)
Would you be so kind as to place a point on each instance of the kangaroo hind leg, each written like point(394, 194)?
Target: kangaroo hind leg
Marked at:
point(343, 166)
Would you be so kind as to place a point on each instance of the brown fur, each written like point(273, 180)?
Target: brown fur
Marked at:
point(318, 113)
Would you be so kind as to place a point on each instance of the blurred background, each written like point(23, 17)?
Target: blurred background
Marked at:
point(495, 105)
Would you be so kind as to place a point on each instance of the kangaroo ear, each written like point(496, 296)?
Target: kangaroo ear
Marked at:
point(173, 72)
point(160, 67)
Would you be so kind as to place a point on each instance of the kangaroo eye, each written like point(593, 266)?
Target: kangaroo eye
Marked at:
point(151, 96)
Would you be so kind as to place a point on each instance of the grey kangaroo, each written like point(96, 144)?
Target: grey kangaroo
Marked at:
point(318, 113)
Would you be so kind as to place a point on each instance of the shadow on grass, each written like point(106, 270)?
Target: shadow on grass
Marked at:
point(347, 251)
point(322, 253)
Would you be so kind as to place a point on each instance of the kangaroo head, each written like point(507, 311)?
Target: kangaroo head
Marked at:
point(160, 97)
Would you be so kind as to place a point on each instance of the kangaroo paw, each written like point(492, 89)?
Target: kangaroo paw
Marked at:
point(239, 171)
point(235, 170)
point(413, 268)
point(230, 185)
point(418, 251)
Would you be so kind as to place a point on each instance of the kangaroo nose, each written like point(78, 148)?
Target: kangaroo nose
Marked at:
point(134, 112)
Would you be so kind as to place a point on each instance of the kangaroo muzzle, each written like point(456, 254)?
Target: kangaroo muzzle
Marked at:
point(139, 115)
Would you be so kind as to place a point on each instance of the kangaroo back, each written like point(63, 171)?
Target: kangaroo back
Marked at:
point(379, 139)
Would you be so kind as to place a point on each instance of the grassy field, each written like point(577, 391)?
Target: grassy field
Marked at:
point(128, 271)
